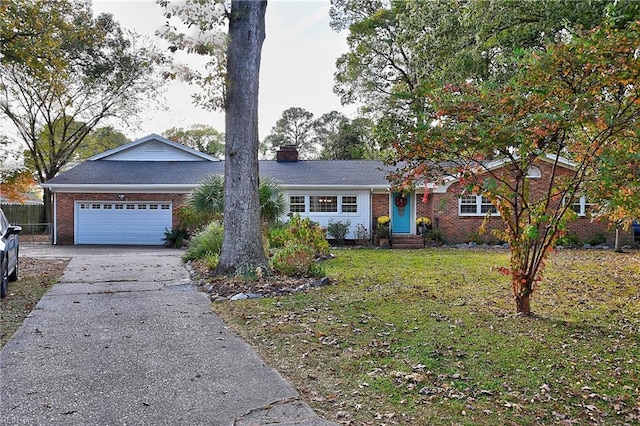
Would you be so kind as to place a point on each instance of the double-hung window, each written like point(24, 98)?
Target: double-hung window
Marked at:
point(349, 204)
point(475, 205)
point(340, 204)
point(297, 204)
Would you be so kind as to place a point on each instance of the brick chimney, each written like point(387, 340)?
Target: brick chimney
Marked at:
point(287, 153)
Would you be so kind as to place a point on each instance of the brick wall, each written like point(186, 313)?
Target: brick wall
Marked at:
point(65, 208)
point(443, 210)
point(379, 205)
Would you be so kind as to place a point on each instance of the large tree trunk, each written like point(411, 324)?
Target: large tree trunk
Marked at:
point(242, 249)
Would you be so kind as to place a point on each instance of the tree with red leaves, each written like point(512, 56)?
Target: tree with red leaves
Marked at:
point(577, 100)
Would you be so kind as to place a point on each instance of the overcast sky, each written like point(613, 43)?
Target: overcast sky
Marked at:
point(298, 62)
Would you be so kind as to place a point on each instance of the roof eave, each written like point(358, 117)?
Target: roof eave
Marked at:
point(125, 188)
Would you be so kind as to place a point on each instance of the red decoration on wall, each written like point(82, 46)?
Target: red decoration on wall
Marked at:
point(400, 201)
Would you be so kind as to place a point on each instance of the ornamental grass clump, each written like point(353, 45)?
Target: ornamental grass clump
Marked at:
point(205, 243)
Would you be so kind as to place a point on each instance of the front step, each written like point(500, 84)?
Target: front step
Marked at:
point(406, 242)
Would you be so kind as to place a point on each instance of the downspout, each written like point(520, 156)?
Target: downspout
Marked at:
point(371, 218)
point(55, 219)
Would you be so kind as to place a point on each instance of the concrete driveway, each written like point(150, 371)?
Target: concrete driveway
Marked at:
point(126, 339)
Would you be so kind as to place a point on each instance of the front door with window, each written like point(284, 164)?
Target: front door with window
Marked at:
point(400, 213)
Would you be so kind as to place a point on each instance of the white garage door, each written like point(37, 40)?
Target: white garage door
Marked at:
point(141, 223)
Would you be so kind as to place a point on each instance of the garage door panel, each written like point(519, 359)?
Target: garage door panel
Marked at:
point(122, 223)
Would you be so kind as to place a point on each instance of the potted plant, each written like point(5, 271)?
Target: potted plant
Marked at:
point(383, 232)
point(423, 224)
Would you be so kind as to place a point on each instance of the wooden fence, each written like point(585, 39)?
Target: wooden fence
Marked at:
point(21, 214)
point(31, 217)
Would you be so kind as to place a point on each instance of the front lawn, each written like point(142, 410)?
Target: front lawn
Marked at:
point(429, 337)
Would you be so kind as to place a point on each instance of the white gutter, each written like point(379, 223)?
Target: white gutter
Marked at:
point(350, 187)
point(164, 188)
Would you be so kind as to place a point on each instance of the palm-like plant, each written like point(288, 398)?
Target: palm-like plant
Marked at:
point(208, 199)
point(272, 204)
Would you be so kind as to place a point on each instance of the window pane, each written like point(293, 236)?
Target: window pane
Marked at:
point(323, 204)
point(349, 204)
point(487, 207)
point(296, 204)
point(468, 209)
point(468, 204)
point(576, 207)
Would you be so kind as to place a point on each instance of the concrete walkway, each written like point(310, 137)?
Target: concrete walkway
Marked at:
point(125, 339)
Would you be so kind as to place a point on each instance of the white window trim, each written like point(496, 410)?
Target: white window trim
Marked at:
point(478, 205)
point(307, 204)
point(584, 205)
point(534, 173)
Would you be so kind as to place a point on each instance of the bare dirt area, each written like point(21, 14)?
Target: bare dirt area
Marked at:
point(36, 276)
point(223, 288)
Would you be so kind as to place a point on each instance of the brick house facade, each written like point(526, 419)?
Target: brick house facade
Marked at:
point(121, 190)
point(442, 207)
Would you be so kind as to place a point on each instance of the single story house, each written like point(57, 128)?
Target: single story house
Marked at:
point(128, 195)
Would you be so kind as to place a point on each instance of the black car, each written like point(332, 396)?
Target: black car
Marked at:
point(9, 246)
point(636, 231)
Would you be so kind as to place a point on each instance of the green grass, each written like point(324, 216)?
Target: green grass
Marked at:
point(429, 337)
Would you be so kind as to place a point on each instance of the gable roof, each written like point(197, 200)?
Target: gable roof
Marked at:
point(153, 148)
point(105, 175)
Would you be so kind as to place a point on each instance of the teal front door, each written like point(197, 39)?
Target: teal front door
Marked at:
point(400, 213)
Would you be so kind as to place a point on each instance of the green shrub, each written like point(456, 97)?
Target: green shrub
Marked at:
point(317, 271)
point(191, 220)
point(597, 240)
point(475, 237)
point(294, 260)
point(301, 231)
point(338, 230)
point(206, 242)
point(436, 235)
point(568, 240)
point(211, 260)
point(175, 237)
point(278, 237)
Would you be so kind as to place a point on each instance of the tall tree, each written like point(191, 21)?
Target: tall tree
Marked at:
point(231, 81)
point(242, 249)
point(202, 137)
point(15, 184)
point(62, 72)
point(399, 47)
point(295, 127)
point(100, 139)
point(578, 99)
point(350, 140)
